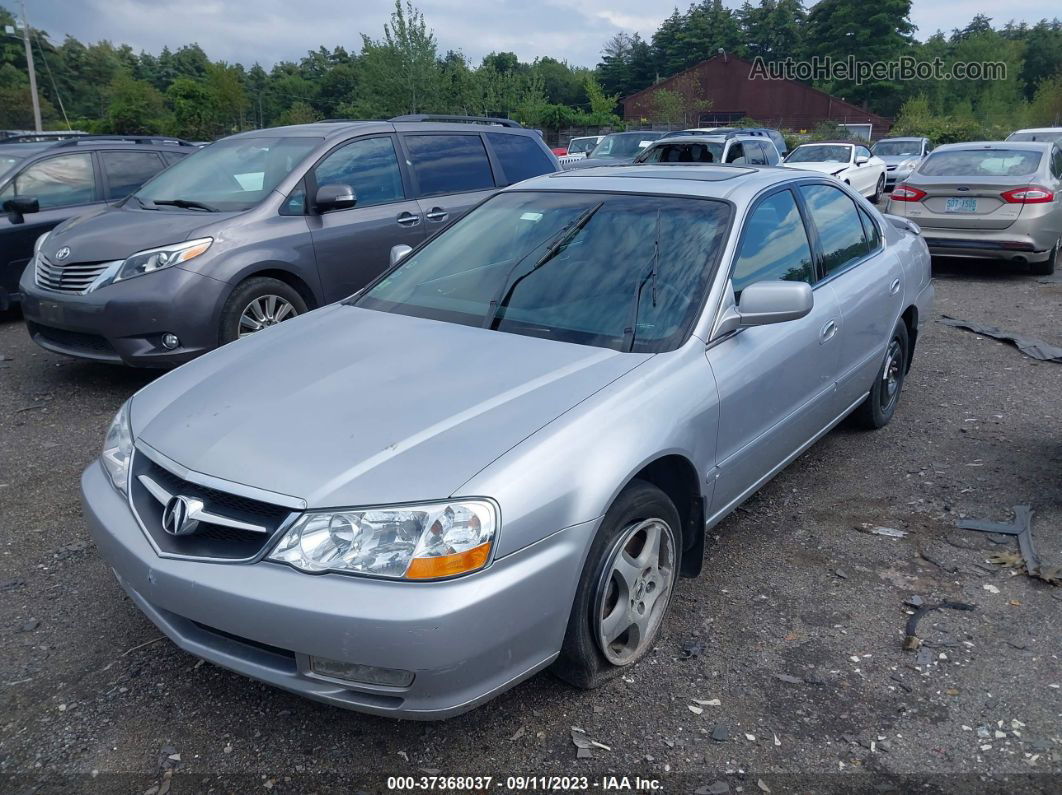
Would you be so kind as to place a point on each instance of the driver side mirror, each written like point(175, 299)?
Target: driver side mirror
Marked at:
point(334, 197)
point(765, 303)
point(20, 206)
point(399, 252)
point(862, 160)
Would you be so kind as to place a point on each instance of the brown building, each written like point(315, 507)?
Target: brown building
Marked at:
point(727, 82)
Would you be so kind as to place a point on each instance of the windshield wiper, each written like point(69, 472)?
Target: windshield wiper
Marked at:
point(187, 204)
point(145, 205)
point(561, 240)
point(631, 331)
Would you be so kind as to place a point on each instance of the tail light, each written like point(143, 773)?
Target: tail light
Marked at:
point(1031, 194)
point(905, 193)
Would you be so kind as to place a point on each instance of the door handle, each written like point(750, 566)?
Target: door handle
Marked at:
point(828, 332)
point(894, 287)
point(408, 219)
point(437, 214)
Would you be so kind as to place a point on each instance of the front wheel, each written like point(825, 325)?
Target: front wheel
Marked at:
point(879, 190)
point(256, 304)
point(626, 587)
point(876, 411)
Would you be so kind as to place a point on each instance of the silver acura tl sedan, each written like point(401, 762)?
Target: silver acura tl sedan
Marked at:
point(501, 455)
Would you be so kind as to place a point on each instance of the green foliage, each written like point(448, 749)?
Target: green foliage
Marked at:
point(917, 118)
point(134, 107)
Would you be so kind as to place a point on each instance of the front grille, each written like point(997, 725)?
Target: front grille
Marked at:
point(210, 540)
point(73, 278)
point(72, 340)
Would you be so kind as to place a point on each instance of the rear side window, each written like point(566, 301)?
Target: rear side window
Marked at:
point(369, 166)
point(754, 153)
point(449, 163)
point(173, 157)
point(520, 157)
point(58, 181)
point(736, 153)
point(774, 245)
point(127, 171)
point(840, 229)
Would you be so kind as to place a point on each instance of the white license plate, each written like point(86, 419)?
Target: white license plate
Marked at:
point(960, 206)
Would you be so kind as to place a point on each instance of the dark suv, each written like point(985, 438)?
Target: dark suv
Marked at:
point(44, 182)
point(259, 227)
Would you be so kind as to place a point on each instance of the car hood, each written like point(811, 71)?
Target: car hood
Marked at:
point(822, 168)
point(112, 233)
point(347, 406)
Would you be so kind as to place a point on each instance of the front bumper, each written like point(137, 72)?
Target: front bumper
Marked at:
point(466, 640)
point(123, 323)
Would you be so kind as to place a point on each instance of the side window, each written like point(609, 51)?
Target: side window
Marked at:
point(837, 220)
point(862, 151)
point(870, 229)
point(173, 157)
point(736, 153)
point(521, 158)
point(127, 171)
point(754, 153)
point(59, 181)
point(295, 204)
point(449, 163)
point(774, 245)
point(369, 166)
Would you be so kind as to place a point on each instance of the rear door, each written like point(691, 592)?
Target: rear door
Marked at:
point(64, 185)
point(451, 172)
point(353, 246)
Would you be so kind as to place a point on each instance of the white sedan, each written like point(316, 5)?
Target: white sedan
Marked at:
point(852, 163)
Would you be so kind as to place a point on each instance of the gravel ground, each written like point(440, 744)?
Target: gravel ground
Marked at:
point(795, 626)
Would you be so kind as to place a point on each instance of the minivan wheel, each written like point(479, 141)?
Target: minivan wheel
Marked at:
point(256, 304)
point(876, 411)
point(1047, 267)
point(626, 587)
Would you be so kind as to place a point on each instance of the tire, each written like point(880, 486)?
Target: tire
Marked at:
point(878, 190)
point(605, 598)
point(880, 405)
point(266, 293)
point(1047, 267)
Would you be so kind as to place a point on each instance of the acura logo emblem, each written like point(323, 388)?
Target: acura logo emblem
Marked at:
point(62, 253)
point(178, 517)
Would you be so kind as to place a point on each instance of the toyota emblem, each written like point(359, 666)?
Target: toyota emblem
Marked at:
point(179, 516)
point(62, 253)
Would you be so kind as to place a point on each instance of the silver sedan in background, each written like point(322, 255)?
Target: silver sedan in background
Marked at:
point(501, 455)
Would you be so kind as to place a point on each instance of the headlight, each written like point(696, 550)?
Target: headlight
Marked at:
point(118, 449)
point(908, 165)
point(164, 257)
point(40, 242)
point(412, 542)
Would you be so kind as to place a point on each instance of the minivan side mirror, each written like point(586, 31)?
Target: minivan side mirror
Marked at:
point(335, 197)
point(19, 206)
point(398, 252)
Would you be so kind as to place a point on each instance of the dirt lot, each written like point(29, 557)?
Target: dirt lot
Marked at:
point(93, 699)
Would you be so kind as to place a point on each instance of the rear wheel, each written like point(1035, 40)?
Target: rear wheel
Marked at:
point(256, 304)
point(626, 587)
point(880, 405)
point(1047, 267)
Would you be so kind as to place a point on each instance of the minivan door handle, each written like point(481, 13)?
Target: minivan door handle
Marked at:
point(827, 333)
point(408, 219)
point(894, 287)
point(437, 214)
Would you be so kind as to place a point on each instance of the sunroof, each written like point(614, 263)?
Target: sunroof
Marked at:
point(694, 173)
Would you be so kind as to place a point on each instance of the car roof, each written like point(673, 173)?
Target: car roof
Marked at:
point(1039, 130)
point(831, 143)
point(704, 181)
point(1035, 146)
point(692, 139)
point(901, 138)
point(344, 128)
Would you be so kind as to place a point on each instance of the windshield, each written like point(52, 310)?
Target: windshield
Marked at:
point(578, 145)
point(981, 163)
point(230, 175)
point(1043, 135)
point(897, 148)
point(567, 266)
point(709, 152)
point(7, 162)
point(820, 154)
point(623, 145)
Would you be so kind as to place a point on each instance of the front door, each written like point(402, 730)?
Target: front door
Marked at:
point(353, 246)
point(775, 382)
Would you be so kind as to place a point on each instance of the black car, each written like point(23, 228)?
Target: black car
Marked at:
point(43, 183)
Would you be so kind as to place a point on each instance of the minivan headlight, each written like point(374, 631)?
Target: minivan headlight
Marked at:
point(411, 542)
point(154, 259)
point(118, 449)
point(40, 242)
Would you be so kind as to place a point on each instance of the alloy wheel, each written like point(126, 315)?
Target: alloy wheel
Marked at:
point(634, 590)
point(265, 311)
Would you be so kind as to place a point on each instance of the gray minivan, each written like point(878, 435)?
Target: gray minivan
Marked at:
point(258, 228)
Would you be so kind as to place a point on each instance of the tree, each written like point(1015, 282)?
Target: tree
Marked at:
point(399, 74)
point(134, 107)
point(194, 111)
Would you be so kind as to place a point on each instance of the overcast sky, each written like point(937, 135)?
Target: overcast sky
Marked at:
point(268, 31)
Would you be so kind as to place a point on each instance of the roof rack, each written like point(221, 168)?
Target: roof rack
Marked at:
point(41, 137)
point(460, 119)
point(134, 139)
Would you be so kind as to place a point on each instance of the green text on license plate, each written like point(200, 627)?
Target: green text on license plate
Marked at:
point(960, 206)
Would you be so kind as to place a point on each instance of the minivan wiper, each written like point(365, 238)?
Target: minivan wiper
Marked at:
point(145, 205)
point(187, 204)
point(631, 331)
point(561, 240)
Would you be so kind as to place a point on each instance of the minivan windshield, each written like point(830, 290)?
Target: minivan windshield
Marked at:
point(229, 176)
point(819, 153)
point(627, 272)
point(7, 162)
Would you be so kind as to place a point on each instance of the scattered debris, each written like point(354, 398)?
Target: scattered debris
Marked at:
point(583, 744)
point(990, 588)
point(793, 680)
point(763, 787)
point(1021, 527)
point(707, 702)
point(720, 733)
point(914, 601)
point(750, 737)
point(519, 733)
point(715, 788)
point(695, 710)
point(29, 626)
point(1030, 346)
point(692, 648)
point(911, 642)
point(840, 574)
point(888, 532)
